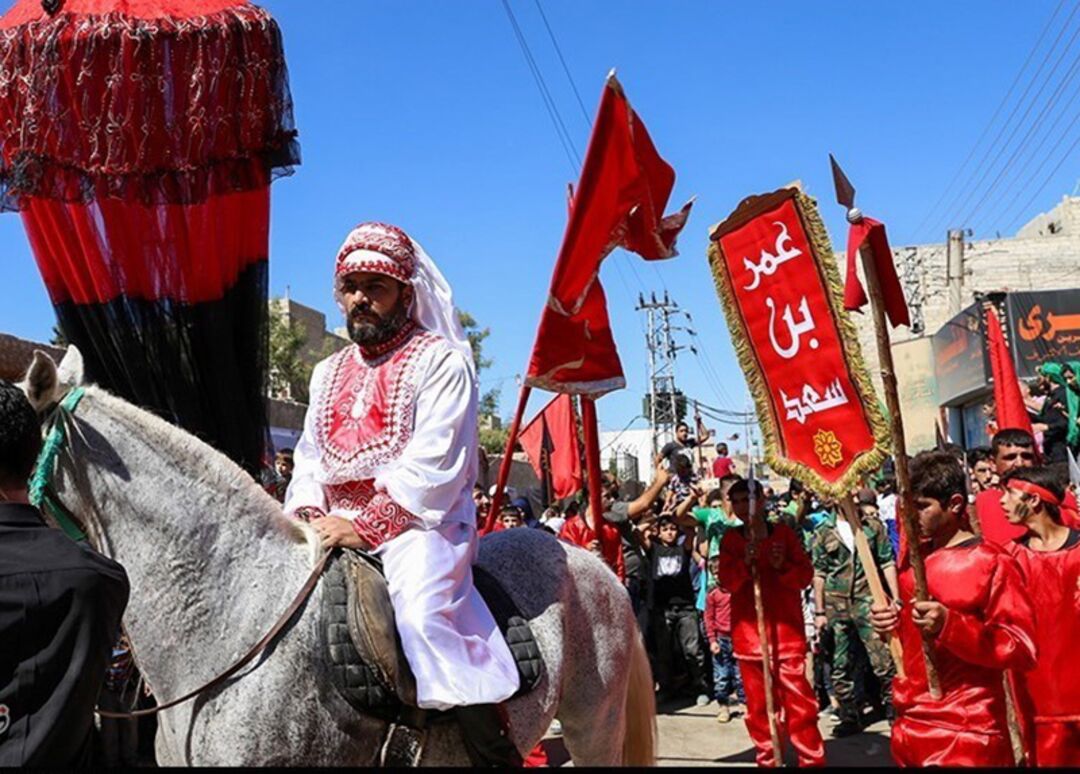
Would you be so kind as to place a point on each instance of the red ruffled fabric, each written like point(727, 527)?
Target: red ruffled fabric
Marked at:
point(151, 108)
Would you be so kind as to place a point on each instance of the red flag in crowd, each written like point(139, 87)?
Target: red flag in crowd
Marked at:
point(1009, 403)
point(554, 431)
point(619, 202)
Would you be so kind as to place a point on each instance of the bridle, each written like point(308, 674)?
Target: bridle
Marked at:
point(42, 494)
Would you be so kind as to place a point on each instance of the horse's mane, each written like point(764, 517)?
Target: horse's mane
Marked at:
point(215, 471)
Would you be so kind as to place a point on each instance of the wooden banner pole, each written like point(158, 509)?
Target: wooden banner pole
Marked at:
point(592, 463)
point(905, 504)
point(507, 460)
point(873, 576)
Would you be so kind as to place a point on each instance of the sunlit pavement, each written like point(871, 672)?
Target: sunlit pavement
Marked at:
point(690, 736)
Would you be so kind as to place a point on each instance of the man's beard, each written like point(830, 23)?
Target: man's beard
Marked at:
point(371, 334)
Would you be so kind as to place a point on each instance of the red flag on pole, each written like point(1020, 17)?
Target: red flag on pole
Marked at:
point(1009, 403)
point(619, 202)
point(555, 428)
point(871, 231)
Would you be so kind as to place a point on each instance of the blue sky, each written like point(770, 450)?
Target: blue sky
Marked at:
point(425, 114)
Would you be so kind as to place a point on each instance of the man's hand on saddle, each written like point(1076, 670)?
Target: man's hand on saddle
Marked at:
point(335, 531)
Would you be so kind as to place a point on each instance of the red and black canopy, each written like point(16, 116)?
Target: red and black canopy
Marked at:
point(138, 139)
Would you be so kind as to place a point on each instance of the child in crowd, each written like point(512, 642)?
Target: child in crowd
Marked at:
point(726, 679)
point(511, 516)
point(673, 618)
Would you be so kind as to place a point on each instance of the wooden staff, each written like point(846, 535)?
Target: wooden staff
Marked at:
point(906, 506)
point(507, 460)
point(870, 569)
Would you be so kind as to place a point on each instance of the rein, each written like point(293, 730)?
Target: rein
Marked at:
point(256, 649)
point(43, 496)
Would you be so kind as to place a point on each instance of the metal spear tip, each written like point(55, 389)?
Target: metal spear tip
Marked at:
point(845, 191)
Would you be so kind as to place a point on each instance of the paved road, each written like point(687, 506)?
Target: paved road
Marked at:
point(690, 736)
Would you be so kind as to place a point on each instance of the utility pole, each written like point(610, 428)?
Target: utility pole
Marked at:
point(955, 270)
point(662, 352)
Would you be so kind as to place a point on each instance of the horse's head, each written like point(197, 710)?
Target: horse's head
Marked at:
point(46, 384)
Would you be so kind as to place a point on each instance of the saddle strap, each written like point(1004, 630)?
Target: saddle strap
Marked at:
point(256, 649)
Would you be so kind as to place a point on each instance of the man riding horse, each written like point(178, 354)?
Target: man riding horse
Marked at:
point(387, 463)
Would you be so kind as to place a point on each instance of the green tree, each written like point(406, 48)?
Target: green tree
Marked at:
point(489, 401)
point(290, 374)
point(493, 441)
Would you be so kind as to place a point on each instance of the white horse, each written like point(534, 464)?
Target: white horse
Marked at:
point(213, 563)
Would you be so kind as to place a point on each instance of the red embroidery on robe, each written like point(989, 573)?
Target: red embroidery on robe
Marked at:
point(353, 496)
point(382, 520)
point(354, 447)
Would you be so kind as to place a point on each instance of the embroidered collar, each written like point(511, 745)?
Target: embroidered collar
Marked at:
point(376, 351)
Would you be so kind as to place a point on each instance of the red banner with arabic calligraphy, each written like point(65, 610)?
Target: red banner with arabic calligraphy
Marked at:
point(781, 292)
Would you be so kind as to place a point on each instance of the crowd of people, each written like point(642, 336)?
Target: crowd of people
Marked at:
point(992, 521)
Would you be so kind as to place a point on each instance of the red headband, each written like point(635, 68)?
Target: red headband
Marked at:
point(1042, 493)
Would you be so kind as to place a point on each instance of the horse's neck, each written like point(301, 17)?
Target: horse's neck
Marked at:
point(211, 562)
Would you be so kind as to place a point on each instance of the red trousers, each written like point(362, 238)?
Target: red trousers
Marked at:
point(795, 704)
point(915, 743)
point(1057, 744)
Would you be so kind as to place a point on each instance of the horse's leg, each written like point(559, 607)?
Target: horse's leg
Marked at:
point(601, 637)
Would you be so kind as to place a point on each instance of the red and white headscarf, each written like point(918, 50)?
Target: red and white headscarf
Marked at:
point(386, 249)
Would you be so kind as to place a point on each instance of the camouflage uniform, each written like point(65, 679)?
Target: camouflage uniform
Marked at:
point(847, 608)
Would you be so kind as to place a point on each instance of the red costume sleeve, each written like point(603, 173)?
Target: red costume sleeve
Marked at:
point(732, 572)
point(1004, 638)
point(381, 520)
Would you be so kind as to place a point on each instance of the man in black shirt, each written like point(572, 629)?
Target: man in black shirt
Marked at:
point(60, 608)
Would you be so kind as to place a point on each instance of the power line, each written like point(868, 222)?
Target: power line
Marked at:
point(957, 203)
point(566, 69)
point(545, 95)
point(1007, 210)
point(1035, 125)
point(1046, 182)
point(986, 129)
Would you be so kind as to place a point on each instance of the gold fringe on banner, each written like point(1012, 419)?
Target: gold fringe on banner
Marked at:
point(865, 462)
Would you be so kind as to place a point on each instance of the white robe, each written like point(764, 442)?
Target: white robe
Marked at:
point(391, 444)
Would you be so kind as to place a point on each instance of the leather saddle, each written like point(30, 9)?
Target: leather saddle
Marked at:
point(361, 646)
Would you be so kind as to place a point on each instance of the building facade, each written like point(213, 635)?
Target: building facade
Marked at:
point(942, 367)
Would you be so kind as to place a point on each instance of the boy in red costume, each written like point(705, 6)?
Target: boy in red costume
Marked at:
point(1049, 558)
point(784, 569)
point(980, 622)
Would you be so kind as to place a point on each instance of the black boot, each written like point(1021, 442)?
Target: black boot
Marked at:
point(849, 722)
point(486, 732)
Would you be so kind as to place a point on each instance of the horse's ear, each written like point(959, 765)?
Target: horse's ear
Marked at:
point(70, 374)
point(41, 384)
